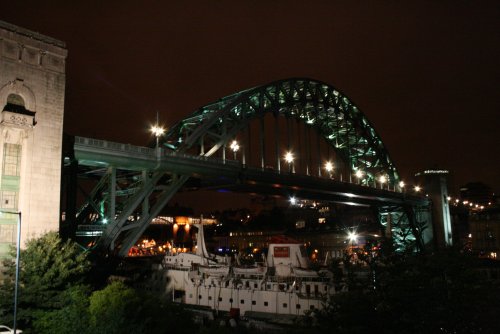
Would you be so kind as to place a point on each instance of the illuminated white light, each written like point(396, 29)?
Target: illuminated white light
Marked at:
point(328, 166)
point(417, 188)
point(234, 146)
point(382, 179)
point(289, 157)
point(293, 200)
point(401, 184)
point(359, 173)
point(352, 236)
point(448, 198)
point(105, 220)
point(157, 130)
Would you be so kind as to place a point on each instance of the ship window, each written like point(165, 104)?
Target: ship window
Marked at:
point(255, 285)
point(199, 296)
point(312, 307)
point(254, 302)
point(209, 297)
point(297, 306)
point(242, 301)
point(230, 300)
point(220, 299)
point(285, 305)
point(266, 303)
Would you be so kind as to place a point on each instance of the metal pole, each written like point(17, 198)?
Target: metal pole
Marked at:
point(16, 285)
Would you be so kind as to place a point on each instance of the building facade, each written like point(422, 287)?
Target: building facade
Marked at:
point(32, 86)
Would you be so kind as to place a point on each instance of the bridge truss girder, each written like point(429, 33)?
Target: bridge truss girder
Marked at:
point(318, 105)
point(209, 130)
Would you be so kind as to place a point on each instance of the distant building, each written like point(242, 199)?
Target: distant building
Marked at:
point(484, 228)
point(32, 85)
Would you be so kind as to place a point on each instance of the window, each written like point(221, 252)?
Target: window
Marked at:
point(11, 169)
point(11, 159)
point(312, 307)
point(199, 297)
point(266, 303)
point(297, 306)
point(220, 299)
point(254, 302)
point(230, 300)
point(209, 297)
point(242, 301)
point(285, 305)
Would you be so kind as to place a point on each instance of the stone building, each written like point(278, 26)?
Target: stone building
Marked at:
point(32, 84)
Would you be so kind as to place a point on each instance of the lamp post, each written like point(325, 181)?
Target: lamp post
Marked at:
point(289, 159)
point(234, 147)
point(329, 168)
point(18, 255)
point(157, 130)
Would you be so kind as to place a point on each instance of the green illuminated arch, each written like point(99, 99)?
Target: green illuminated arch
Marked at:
point(330, 113)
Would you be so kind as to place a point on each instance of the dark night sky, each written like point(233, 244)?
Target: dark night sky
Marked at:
point(425, 73)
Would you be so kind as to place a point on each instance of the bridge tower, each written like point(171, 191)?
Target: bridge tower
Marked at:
point(32, 83)
point(435, 184)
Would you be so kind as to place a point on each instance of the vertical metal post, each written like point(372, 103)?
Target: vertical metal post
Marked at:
point(145, 203)
point(276, 140)
point(112, 193)
point(202, 145)
point(262, 140)
point(18, 256)
point(307, 143)
point(319, 154)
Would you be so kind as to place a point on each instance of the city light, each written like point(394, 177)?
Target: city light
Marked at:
point(382, 179)
point(401, 184)
point(235, 146)
point(359, 174)
point(328, 166)
point(157, 130)
point(289, 157)
point(293, 200)
point(417, 188)
point(352, 237)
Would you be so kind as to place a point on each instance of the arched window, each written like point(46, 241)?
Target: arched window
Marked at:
point(15, 103)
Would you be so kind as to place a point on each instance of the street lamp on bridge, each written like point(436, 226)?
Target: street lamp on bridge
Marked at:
point(289, 159)
point(234, 147)
point(329, 168)
point(382, 179)
point(359, 175)
point(157, 130)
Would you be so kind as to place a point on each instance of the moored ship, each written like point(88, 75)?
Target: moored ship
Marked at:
point(283, 283)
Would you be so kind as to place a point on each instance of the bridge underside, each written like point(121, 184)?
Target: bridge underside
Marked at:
point(124, 174)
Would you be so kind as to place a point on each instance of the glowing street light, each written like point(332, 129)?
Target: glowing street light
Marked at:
point(157, 130)
point(382, 179)
point(329, 168)
point(289, 159)
point(293, 200)
point(235, 147)
point(353, 236)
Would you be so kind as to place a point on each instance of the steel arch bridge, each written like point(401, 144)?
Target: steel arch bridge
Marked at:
point(322, 107)
point(137, 182)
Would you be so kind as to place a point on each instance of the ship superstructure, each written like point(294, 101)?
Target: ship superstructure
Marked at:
point(283, 283)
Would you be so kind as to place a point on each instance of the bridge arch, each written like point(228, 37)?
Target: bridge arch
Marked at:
point(318, 105)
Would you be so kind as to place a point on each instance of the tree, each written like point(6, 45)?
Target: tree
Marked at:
point(49, 267)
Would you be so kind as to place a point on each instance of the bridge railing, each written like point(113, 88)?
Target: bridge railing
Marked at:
point(118, 147)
